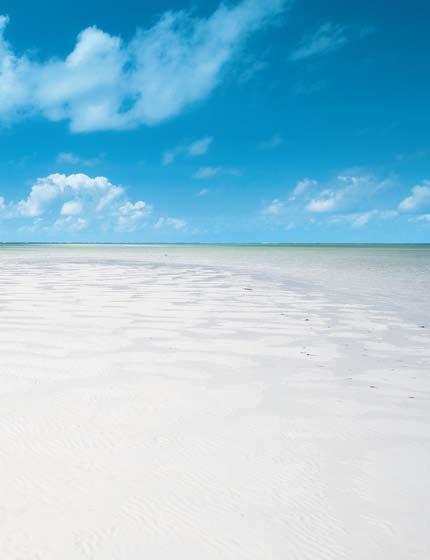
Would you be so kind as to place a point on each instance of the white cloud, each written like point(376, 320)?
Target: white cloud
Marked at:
point(298, 196)
point(196, 148)
point(71, 208)
point(170, 222)
point(301, 188)
point(360, 219)
point(274, 208)
point(423, 218)
point(203, 192)
point(67, 157)
point(71, 224)
point(169, 157)
point(72, 203)
point(346, 191)
point(207, 172)
point(74, 159)
point(57, 188)
point(273, 142)
point(326, 203)
point(344, 199)
point(327, 38)
point(200, 147)
point(130, 214)
point(106, 83)
point(419, 198)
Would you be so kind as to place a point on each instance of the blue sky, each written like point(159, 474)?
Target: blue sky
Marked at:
point(253, 120)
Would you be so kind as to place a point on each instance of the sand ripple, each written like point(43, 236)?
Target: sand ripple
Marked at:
point(158, 406)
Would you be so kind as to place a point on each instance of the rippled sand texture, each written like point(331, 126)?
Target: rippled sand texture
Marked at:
point(165, 402)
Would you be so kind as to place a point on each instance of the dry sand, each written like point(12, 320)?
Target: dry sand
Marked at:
point(158, 403)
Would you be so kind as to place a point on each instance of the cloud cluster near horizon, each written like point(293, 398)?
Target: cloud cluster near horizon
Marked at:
point(418, 199)
point(79, 206)
point(347, 199)
point(73, 203)
point(154, 76)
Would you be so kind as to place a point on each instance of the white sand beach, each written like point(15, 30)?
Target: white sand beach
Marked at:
point(169, 402)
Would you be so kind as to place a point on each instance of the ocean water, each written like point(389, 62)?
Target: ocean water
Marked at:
point(393, 276)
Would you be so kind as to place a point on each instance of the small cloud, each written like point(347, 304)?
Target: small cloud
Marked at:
point(203, 192)
point(364, 218)
point(413, 156)
point(168, 157)
point(423, 218)
point(92, 162)
point(71, 224)
point(273, 142)
point(67, 157)
point(4, 20)
point(329, 37)
point(274, 208)
point(301, 188)
point(200, 147)
point(250, 68)
point(298, 196)
point(208, 172)
point(346, 191)
point(325, 204)
point(419, 198)
point(73, 159)
point(196, 148)
point(360, 219)
point(170, 222)
point(129, 214)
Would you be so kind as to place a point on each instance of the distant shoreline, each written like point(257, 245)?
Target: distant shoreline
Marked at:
point(213, 244)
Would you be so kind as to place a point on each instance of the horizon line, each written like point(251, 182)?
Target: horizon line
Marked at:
point(239, 243)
